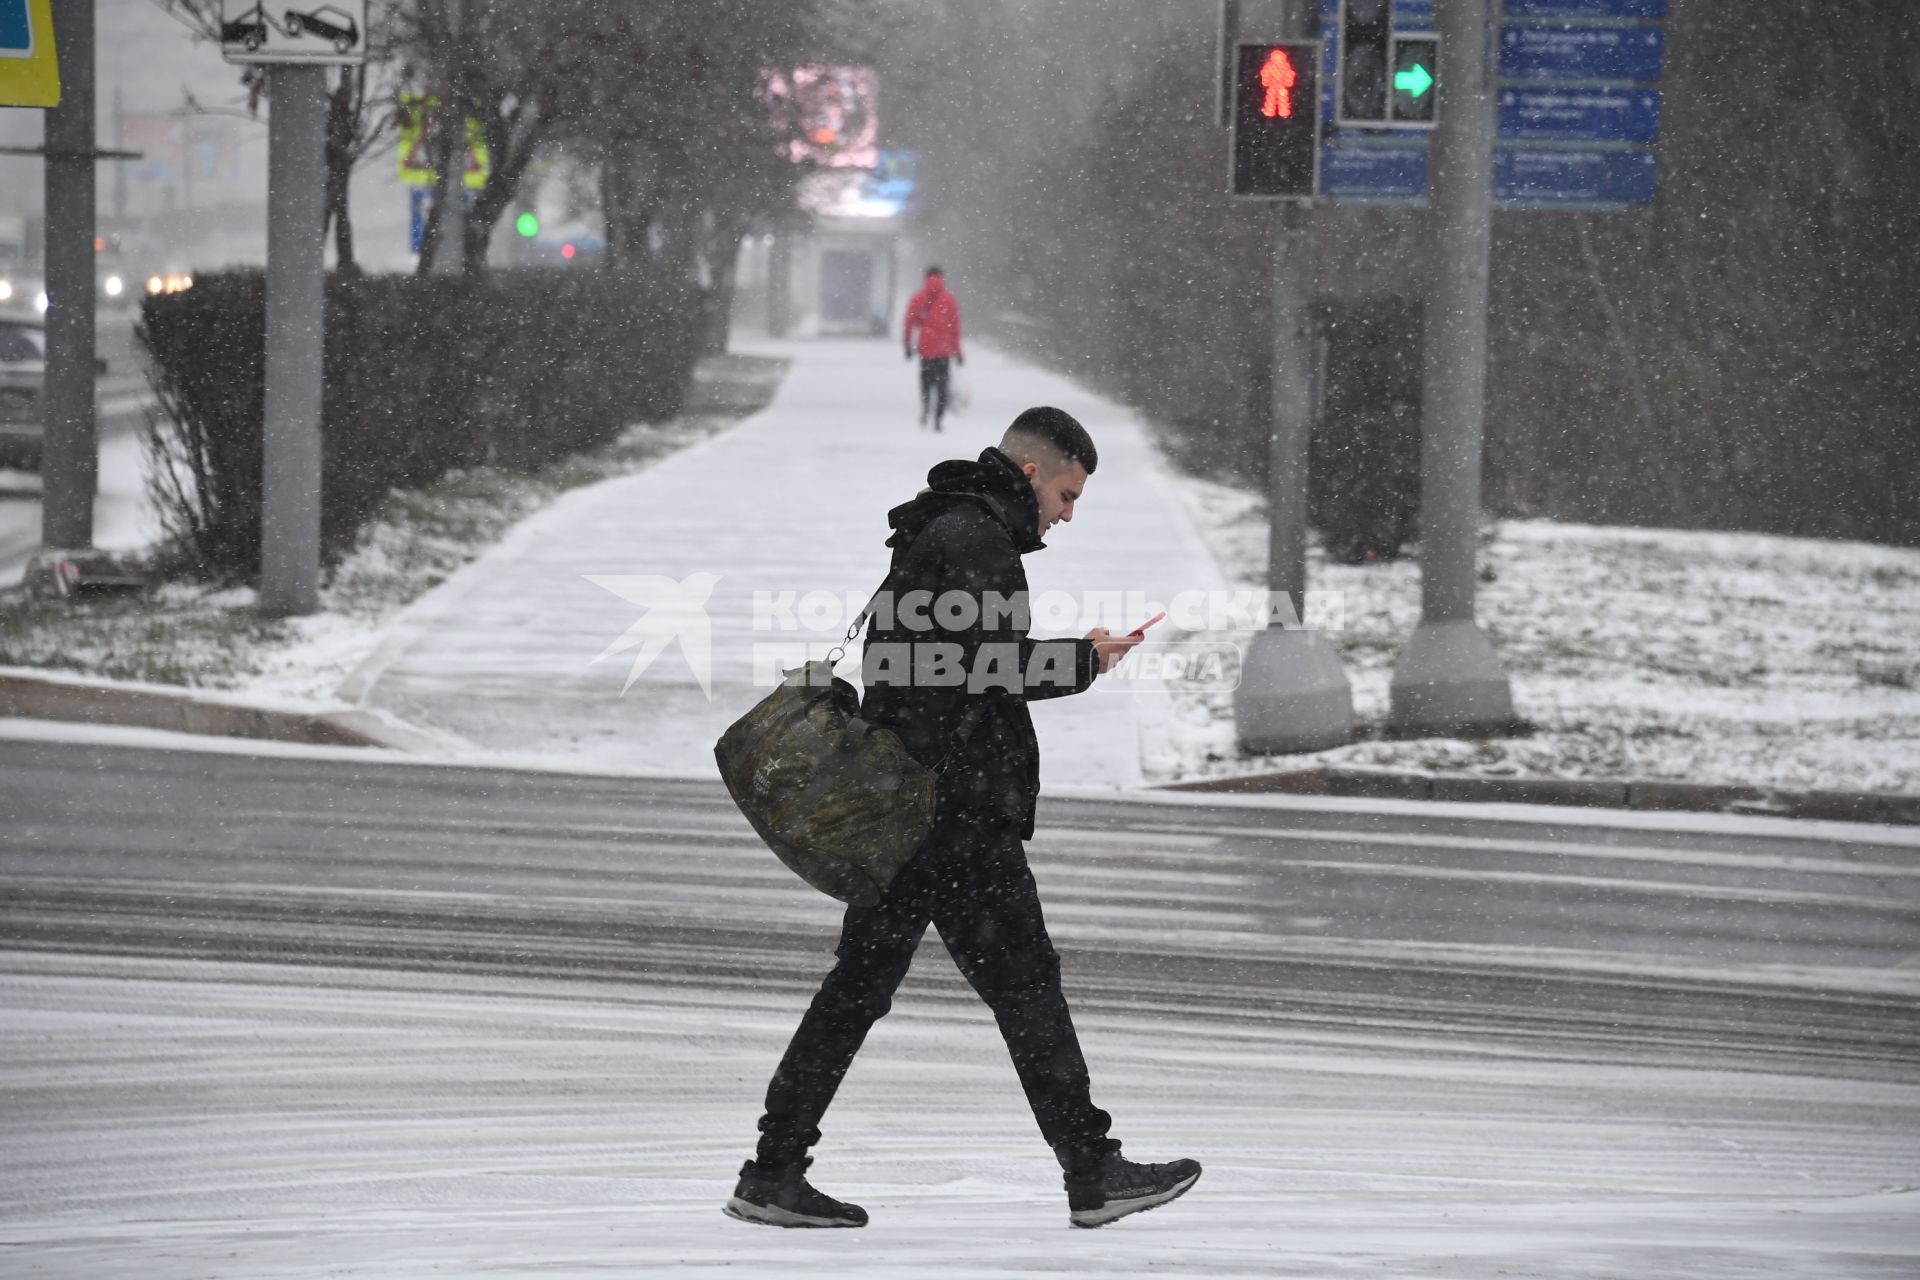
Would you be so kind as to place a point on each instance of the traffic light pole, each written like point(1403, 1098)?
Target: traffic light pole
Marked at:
point(296, 337)
point(1448, 677)
point(70, 452)
point(1293, 694)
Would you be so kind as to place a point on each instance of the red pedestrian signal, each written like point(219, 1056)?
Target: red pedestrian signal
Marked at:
point(1276, 120)
point(1278, 77)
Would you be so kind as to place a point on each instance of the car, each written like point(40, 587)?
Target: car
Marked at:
point(327, 22)
point(23, 376)
point(249, 30)
point(23, 387)
point(20, 291)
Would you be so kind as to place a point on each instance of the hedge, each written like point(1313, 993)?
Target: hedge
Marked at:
point(423, 375)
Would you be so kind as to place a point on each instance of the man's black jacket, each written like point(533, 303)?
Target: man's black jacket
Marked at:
point(926, 662)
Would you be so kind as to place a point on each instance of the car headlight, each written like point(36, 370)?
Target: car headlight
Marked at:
point(40, 301)
point(114, 286)
point(6, 290)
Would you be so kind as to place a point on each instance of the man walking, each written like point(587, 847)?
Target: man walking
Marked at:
point(936, 314)
point(958, 586)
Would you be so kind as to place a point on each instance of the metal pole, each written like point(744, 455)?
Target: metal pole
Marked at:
point(1292, 405)
point(296, 197)
point(1448, 677)
point(70, 451)
point(1293, 693)
point(450, 250)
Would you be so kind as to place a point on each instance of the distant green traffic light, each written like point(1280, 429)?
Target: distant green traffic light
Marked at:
point(527, 225)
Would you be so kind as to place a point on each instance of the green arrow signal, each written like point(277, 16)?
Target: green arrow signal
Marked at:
point(1415, 80)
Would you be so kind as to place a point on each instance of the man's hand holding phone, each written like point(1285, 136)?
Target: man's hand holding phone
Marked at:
point(1112, 648)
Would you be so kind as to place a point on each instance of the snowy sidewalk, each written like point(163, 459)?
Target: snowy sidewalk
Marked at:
point(793, 500)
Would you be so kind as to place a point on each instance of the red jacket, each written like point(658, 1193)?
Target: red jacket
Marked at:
point(936, 314)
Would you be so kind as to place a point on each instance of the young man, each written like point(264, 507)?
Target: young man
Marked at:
point(934, 312)
point(960, 543)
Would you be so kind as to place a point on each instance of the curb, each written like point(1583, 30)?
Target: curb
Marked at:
point(1641, 794)
point(91, 702)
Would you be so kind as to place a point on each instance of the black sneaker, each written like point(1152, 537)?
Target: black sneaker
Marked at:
point(1118, 1187)
point(784, 1198)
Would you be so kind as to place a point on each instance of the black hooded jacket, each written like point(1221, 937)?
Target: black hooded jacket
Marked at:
point(929, 657)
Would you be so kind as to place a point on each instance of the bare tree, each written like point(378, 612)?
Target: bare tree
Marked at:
point(361, 117)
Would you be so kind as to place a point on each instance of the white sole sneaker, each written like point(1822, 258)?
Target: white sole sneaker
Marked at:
point(772, 1215)
point(1114, 1210)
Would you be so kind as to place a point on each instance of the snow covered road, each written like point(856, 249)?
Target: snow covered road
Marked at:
point(177, 1119)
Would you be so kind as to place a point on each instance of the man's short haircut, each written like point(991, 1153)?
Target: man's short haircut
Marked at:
point(1055, 431)
point(935, 271)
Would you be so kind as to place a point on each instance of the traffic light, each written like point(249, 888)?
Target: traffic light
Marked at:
point(1276, 120)
point(1366, 38)
point(527, 224)
point(1416, 79)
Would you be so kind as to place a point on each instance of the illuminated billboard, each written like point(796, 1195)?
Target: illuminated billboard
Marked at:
point(830, 111)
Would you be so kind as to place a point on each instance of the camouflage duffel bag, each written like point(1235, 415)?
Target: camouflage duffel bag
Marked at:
point(837, 799)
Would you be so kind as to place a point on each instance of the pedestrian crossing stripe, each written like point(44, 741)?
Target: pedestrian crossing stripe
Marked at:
point(29, 72)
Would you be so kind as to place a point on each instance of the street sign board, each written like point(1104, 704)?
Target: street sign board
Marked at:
point(1579, 115)
point(419, 117)
point(29, 73)
point(1524, 177)
point(1385, 173)
point(1600, 10)
point(1413, 15)
point(420, 204)
point(1408, 15)
point(332, 33)
point(1563, 177)
point(418, 200)
point(1625, 55)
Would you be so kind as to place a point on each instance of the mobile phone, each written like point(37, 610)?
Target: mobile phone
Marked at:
point(1142, 628)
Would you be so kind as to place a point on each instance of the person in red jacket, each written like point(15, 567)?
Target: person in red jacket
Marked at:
point(936, 314)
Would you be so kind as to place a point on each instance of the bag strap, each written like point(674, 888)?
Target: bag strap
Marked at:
point(969, 719)
point(839, 651)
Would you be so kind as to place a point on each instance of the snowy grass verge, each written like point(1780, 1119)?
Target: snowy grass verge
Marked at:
point(1734, 658)
point(206, 637)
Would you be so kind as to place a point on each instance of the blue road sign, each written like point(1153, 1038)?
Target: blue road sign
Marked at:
point(1329, 70)
point(1579, 115)
point(1629, 55)
point(1408, 15)
point(417, 200)
point(1562, 177)
point(1394, 172)
point(1524, 177)
point(1412, 15)
point(1607, 10)
point(16, 33)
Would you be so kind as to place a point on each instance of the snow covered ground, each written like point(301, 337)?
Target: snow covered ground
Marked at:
point(123, 519)
point(1637, 653)
point(791, 503)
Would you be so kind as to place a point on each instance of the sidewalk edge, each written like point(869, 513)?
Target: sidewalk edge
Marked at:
point(104, 703)
point(1887, 808)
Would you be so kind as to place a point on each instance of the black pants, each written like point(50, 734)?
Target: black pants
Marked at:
point(934, 378)
point(972, 883)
